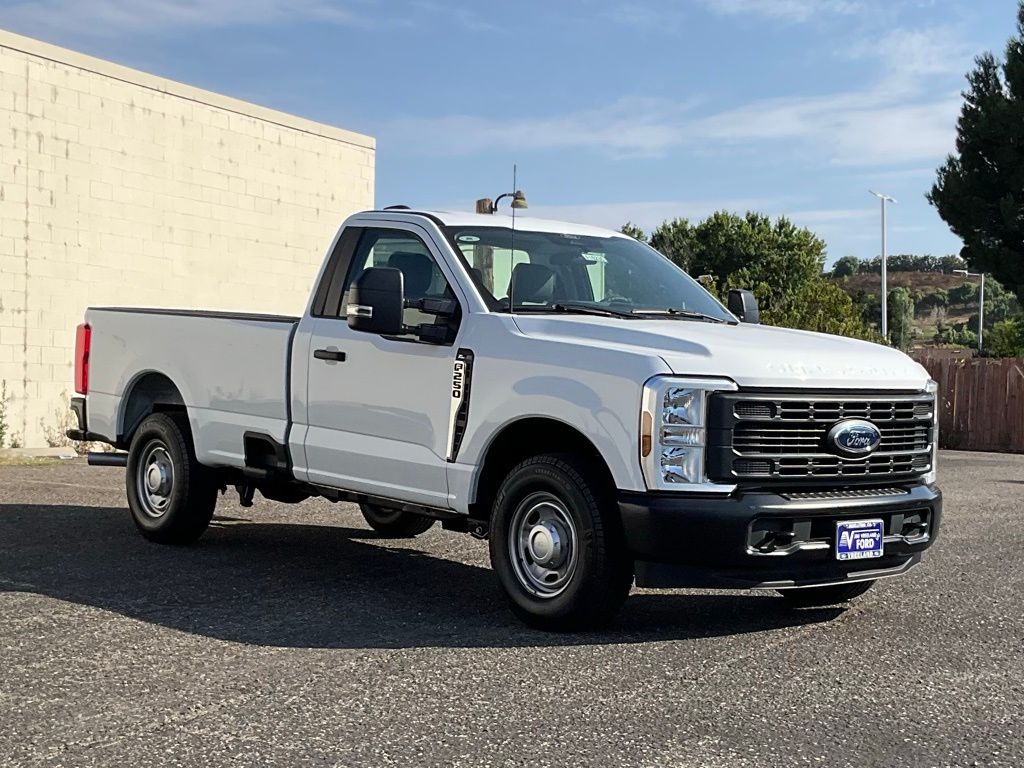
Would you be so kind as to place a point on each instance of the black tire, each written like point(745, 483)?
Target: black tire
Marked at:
point(543, 504)
point(162, 466)
point(814, 597)
point(395, 523)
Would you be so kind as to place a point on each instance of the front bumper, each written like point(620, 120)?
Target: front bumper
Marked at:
point(760, 539)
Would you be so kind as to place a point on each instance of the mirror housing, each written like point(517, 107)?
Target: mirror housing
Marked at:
point(743, 304)
point(376, 300)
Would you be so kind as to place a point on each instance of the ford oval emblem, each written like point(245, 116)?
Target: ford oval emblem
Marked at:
point(854, 437)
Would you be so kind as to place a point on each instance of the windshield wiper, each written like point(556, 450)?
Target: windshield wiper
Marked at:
point(576, 309)
point(589, 309)
point(682, 314)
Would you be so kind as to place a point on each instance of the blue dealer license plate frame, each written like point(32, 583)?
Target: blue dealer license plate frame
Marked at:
point(860, 539)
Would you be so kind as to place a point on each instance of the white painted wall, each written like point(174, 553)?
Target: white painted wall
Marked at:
point(121, 188)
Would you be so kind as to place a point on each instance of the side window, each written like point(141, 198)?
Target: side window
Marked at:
point(328, 292)
point(402, 250)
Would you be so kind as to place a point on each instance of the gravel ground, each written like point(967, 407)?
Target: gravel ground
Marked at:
point(292, 636)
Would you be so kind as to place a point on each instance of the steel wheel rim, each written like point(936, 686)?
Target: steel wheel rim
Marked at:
point(154, 479)
point(543, 545)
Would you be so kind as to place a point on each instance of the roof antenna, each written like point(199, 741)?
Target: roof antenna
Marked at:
point(512, 254)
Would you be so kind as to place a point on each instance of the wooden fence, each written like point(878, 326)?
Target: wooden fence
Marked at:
point(981, 401)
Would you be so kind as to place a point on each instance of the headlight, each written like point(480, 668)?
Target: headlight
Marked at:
point(673, 433)
point(932, 475)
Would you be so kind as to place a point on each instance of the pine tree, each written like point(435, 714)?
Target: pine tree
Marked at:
point(979, 190)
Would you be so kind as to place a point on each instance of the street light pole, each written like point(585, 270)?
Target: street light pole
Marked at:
point(981, 301)
point(885, 284)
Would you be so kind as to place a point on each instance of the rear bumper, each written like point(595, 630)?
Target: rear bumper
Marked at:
point(768, 540)
point(81, 431)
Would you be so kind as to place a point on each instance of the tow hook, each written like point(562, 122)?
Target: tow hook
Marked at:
point(478, 529)
point(775, 539)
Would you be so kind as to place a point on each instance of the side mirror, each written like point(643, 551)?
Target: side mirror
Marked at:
point(743, 304)
point(375, 302)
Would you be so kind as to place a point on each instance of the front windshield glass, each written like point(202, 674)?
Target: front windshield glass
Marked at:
point(551, 272)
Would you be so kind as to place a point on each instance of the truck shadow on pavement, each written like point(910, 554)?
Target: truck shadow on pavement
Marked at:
point(321, 586)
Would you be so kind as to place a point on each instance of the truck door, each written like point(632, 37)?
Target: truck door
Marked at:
point(378, 408)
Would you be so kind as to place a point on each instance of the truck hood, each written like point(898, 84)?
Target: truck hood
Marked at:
point(750, 355)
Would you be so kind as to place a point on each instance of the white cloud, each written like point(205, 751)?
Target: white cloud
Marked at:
point(883, 125)
point(914, 52)
point(115, 17)
point(627, 127)
point(786, 10)
point(900, 118)
point(112, 18)
point(872, 127)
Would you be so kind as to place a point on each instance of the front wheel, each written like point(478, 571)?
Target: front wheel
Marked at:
point(556, 544)
point(813, 597)
point(171, 495)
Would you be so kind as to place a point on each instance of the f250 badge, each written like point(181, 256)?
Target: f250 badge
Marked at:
point(462, 374)
point(854, 437)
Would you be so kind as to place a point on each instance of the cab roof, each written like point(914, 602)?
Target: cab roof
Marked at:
point(524, 223)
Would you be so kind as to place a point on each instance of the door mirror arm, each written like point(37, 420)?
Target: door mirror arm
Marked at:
point(431, 333)
point(433, 306)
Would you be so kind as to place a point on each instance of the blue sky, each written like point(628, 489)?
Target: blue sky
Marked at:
point(635, 110)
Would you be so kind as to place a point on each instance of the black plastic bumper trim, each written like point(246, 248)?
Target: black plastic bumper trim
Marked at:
point(697, 541)
point(82, 433)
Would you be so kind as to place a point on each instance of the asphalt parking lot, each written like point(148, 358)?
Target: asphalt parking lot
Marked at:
point(293, 636)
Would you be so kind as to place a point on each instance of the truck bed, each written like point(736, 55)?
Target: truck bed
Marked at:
point(231, 369)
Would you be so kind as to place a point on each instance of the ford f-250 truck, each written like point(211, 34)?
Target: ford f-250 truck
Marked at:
point(564, 391)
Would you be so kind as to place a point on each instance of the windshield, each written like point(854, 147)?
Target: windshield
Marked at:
point(552, 272)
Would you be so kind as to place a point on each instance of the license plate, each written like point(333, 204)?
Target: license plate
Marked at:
point(859, 539)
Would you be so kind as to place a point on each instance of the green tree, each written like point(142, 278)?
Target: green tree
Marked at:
point(932, 300)
point(846, 266)
point(781, 263)
point(631, 229)
point(901, 318)
point(774, 259)
point(958, 336)
point(821, 305)
point(979, 191)
point(964, 294)
point(674, 239)
point(1006, 339)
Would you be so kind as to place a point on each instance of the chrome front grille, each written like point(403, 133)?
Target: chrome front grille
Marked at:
point(832, 410)
point(784, 438)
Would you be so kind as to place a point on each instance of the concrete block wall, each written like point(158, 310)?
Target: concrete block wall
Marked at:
point(122, 188)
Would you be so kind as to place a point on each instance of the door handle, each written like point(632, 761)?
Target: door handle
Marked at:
point(329, 354)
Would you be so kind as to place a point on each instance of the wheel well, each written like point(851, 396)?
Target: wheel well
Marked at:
point(151, 393)
point(521, 440)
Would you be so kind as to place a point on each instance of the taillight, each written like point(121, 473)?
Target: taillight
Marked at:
point(83, 340)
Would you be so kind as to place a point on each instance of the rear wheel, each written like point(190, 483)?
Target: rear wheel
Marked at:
point(812, 597)
point(171, 495)
point(556, 546)
point(395, 523)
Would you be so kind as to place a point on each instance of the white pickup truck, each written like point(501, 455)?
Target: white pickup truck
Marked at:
point(564, 391)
